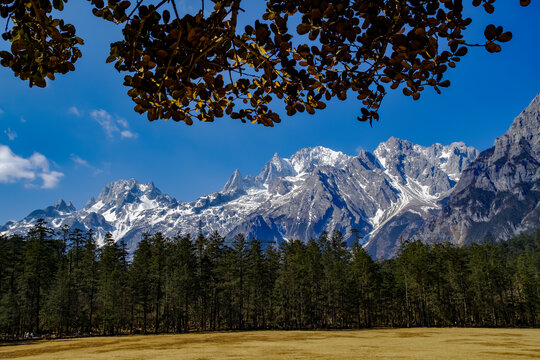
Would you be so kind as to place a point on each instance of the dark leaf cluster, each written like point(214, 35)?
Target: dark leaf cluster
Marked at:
point(188, 67)
point(41, 45)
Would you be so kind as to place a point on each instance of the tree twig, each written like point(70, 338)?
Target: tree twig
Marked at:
point(40, 20)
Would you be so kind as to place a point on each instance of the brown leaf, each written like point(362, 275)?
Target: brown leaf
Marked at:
point(462, 51)
point(505, 37)
point(492, 47)
point(303, 29)
point(445, 83)
point(489, 8)
point(490, 32)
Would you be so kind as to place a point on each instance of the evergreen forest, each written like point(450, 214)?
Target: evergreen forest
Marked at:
point(61, 283)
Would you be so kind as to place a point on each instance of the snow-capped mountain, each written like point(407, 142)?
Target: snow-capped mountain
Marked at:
point(424, 178)
point(316, 189)
point(399, 191)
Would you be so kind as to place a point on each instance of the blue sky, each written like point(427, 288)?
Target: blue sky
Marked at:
point(73, 137)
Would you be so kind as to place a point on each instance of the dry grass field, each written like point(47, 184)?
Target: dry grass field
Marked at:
point(363, 344)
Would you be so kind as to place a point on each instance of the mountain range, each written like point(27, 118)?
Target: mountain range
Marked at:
point(399, 191)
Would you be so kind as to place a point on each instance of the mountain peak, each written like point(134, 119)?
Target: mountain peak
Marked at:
point(278, 162)
point(122, 184)
point(525, 126)
point(307, 159)
point(61, 205)
point(450, 159)
point(392, 144)
point(276, 167)
point(235, 182)
point(116, 187)
point(127, 190)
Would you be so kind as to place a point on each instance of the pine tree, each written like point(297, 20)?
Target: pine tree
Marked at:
point(203, 273)
point(87, 282)
point(60, 310)
point(215, 253)
point(237, 262)
point(183, 280)
point(256, 290)
point(157, 274)
point(335, 260)
point(141, 282)
point(111, 279)
point(290, 285)
point(413, 268)
point(11, 268)
point(363, 283)
point(41, 257)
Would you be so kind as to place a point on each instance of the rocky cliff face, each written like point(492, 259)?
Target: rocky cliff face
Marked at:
point(498, 194)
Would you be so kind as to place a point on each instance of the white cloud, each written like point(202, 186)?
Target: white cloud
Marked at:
point(74, 111)
point(124, 123)
point(14, 168)
point(10, 134)
point(359, 149)
point(105, 120)
point(128, 134)
point(79, 161)
point(113, 126)
point(51, 179)
point(23, 120)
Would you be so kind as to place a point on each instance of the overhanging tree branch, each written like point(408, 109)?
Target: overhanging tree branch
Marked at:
point(174, 67)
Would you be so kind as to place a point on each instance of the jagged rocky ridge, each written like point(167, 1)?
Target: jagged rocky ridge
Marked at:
point(498, 195)
point(316, 189)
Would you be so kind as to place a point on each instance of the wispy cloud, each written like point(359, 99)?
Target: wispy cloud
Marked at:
point(23, 120)
point(1, 112)
point(123, 123)
point(113, 125)
point(79, 161)
point(75, 111)
point(105, 120)
point(12, 135)
point(105, 168)
point(359, 149)
point(14, 168)
point(128, 134)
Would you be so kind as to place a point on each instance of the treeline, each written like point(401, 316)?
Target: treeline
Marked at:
point(64, 284)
